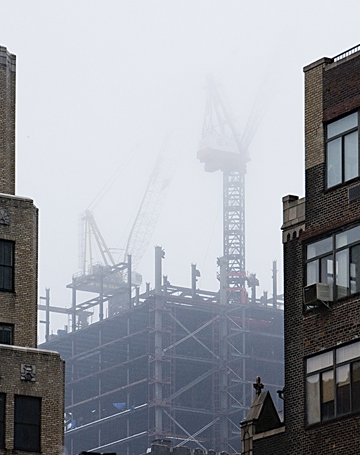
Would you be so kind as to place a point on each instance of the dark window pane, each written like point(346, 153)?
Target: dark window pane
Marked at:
point(355, 391)
point(27, 423)
point(327, 398)
point(27, 409)
point(343, 389)
point(6, 334)
point(27, 437)
point(8, 259)
point(6, 253)
point(2, 252)
point(6, 265)
point(7, 278)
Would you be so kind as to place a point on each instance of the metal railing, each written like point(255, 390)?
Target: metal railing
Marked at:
point(347, 53)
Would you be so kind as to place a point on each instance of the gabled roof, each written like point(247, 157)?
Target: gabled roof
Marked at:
point(263, 414)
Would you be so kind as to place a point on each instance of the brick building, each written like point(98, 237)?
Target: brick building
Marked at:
point(31, 380)
point(321, 236)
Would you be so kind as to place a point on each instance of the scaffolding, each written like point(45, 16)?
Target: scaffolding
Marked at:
point(174, 362)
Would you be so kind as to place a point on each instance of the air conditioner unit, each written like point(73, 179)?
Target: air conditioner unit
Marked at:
point(317, 293)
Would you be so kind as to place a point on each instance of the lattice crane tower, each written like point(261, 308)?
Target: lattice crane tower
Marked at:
point(221, 148)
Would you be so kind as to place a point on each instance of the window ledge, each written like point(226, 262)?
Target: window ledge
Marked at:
point(316, 425)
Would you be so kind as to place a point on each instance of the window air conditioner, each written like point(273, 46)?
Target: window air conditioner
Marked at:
point(317, 293)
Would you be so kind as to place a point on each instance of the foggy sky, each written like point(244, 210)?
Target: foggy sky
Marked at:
point(101, 83)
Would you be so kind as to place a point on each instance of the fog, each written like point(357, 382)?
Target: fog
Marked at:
point(103, 85)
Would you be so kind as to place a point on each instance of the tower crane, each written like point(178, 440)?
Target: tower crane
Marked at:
point(91, 231)
point(222, 148)
point(149, 210)
point(142, 228)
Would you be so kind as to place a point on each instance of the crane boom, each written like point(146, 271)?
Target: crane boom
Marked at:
point(149, 210)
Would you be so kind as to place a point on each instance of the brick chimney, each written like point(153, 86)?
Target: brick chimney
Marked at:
point(7, 121)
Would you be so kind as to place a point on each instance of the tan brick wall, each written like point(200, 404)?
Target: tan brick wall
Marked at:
point(20, 307)
point(7, 121)
point(48, 385)
point(314, 130)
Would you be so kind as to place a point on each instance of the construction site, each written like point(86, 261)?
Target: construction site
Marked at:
point(173, 362)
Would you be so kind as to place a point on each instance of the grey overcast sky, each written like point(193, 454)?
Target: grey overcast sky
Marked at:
point(101, 83)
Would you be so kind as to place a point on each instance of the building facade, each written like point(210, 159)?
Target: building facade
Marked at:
point(321, 235)
point(31, 380)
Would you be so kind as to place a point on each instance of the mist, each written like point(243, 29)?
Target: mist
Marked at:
point(103, 87)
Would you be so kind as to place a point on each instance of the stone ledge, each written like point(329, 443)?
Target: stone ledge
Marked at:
point(12, 196)
point(319, 62)
point(12, 347)
point(269, 433)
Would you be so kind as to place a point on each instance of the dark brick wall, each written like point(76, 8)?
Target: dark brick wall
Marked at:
point(341, 87)
point(340, 437)
point(272, 445)
point(324, 328)
point(328, 210)
point(293, 328)
point(331, 89)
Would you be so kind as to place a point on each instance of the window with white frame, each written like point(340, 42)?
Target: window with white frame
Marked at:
point(342, 150)
point(333, 383)
point(335, 260)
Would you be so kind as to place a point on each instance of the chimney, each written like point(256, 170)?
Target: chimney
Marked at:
point(7, 121)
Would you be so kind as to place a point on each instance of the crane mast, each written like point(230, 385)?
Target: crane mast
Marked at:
point(222, 149)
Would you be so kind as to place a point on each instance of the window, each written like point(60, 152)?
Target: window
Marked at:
point(342, 150)
point(6, 265)
point(333, 383)
point(335, 260)
point(27, 423)
point(6, 333)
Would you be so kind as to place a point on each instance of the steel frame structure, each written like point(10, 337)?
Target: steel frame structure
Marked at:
point(180, 365)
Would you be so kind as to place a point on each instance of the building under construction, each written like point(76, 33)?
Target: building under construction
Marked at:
point(175, 363)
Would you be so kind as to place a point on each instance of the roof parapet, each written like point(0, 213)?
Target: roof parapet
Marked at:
point(293, 216)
